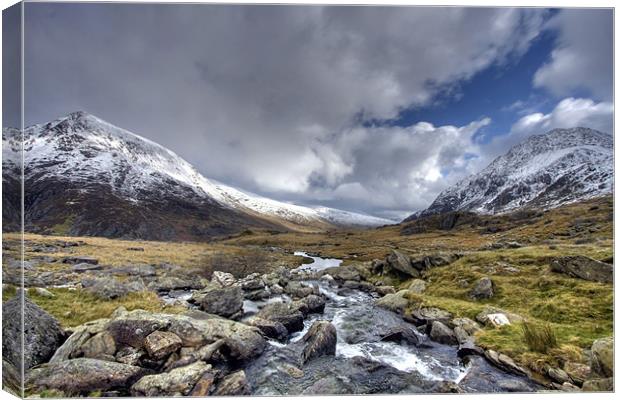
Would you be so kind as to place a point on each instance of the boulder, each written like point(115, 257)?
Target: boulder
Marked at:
point(234, 384)
point(242, 342)
point(106, 288)
point(72, 347)
point(468, 325)
point(483, 289)
point(598, 385)
point(382, 290)
point(226, 302)
point(85, 267)
point(577, 372)
point(203, 387)
point(469, 348)
point(82, 376)
point(427, 315)
point(402, 263)
point(129, 355)
point(602, 361)
point(417, 286)
point(42, 333)
point(558, 375)
point(442, 334)
point(394, 302)
point(177, 382)
point(583, 267)
point(493, 316)
point(402, 334)
point(310, 304)
point(504, 362)
point(286, 314)
point(42, 292)
point(346, 273)
point(160, 344)
point(223, 279)
point(272, 329)
point(319, 340)
point(298, 290)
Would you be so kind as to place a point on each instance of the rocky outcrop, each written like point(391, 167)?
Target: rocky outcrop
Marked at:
point(319, 340)
point(583, 267)
point(603, 357)
point(42, 333)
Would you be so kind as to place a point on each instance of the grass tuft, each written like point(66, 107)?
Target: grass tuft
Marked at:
point(539, 338)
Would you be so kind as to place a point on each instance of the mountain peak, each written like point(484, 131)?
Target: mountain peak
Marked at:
point(545, 170)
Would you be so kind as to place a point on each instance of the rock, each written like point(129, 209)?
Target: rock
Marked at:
point(447, 387)
point(346, 273)
point(394, 302)
point(286, 314)
point(402, 263)
point(72, 347)
point(11, 378)
point(402, 334)
point(310, 304)
point(203, 386)
point(242, 342)
point(417, 286)
point(42, 333)
point(584, 268)
point(82, 376)
point(483, 289)
point(565, 387)
point(468, 348)
point(468, 325)
point(233, 385)
point(598, 385)
point(494, 316)
point(79, 259)
point(319, 340)
point(558, 375)
point(177, 382)
point(160, 344)
point(226, 302)
point(272, 329)
point(602, 361)
point(129, 355)
point(43, 293)
point(299, 290)
point(442, 334)
point(504, 362)
point(86, 267)
point(577, 372)
point(106, 288)
point(461, 335)
point(100, 346)
point(223, 279)
point(427, 315)
point(384, 289)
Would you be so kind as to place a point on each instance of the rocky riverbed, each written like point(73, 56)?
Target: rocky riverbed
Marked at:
point(316, 329)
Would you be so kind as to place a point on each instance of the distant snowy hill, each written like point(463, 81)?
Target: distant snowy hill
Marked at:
point(79, 157)
point(548, 170)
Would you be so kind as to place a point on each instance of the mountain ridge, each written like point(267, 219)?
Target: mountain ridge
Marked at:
point(545, 170)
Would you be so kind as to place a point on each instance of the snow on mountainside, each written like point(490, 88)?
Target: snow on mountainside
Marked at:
point(559, 167)
point(83, 148)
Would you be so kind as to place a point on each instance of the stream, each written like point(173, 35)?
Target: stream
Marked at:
point(363, 363)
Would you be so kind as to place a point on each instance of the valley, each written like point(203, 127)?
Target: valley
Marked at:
point(422, 275)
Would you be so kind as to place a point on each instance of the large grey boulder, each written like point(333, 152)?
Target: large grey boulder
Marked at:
point(106, 288)
point(603, 357)
point(395, 302)
point(402, 263)
point(42, 333)
point(271, 329)
point(442, 334)
point(177, 382)
point(584, 268)
point(82, 376)
point(224, 301)
point(319, 340)
point(417, 286)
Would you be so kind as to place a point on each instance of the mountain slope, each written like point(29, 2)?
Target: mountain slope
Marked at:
point(548, 170)
point(88, 177)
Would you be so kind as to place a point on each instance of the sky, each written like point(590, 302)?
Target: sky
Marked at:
point(368, 109)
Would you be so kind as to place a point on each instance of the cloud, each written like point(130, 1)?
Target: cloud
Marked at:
point(272, 99)
point(583, 57)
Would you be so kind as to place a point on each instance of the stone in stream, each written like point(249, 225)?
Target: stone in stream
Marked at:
point(584, 268)
point(402, 334)
point(299, 290)
point(224, 301)
point(319, 340)
point(82, 376)
point(272, 329)
point(310, 304)
point(286, 314)
point(234, 384)
point(177, 382)
point(394, 302)
point(42, 333)
point(442, 334)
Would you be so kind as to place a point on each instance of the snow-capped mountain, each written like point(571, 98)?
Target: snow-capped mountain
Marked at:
point(547, 170)
point(85, 155)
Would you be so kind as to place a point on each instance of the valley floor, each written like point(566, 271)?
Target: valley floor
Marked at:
point(554, 318)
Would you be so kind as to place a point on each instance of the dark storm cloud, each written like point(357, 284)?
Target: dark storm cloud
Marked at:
point(270, 98)
point(11, 68)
